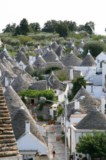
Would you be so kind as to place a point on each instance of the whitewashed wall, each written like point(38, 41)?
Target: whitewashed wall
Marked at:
point(30, 142)
point(31, 60)
point(95, 91)
point(101, 57)
point(103, 74)
point(85, 70)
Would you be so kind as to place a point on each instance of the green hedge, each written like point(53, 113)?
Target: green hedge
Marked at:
point(48, 94)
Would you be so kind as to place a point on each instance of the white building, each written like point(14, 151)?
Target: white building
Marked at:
point(99, 60)
point(76, 112)
point(90, 123)
point(88, 65)
point(29, 145)
point(96, 85)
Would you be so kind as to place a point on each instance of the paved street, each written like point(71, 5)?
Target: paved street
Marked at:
point(57, 144)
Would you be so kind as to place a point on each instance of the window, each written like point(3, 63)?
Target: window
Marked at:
point(101, 63)
point(32, 101)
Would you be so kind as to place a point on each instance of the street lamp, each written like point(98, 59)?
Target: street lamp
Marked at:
point(65, 108)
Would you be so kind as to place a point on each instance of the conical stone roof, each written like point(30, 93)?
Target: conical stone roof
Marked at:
point(55, 83)
point(40, 62)
point(20, 114)
point(8, 147)
point(94, 120)
point(89, 103)
point(19, 124)
point(54, 45)
point(4, 53)
point(20, 83)
point(71, 60)
point(20, 56)
point(7, 64)
point(59, 51)
point(2, 67)
point(29, 69)
point(17, 70)
point(50, 56)
point(88, 60)
point(13, 101)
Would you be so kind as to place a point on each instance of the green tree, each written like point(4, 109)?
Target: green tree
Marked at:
point(89, 27)
point(81, 28)
point(50, 26)
point(17, 31)
point(10, 28)
point(95, 48)
point(24, 27)
point(93, 144)
point(62, 29)
point(77, 84)
point(35, 27)
point(72, 26)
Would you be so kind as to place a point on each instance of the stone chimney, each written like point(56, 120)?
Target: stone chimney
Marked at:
point(71, 74)
point(27, 127)
point(103, 103)
point(6, 82)
point(76, 105)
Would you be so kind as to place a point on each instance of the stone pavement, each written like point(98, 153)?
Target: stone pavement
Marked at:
point(52, 133)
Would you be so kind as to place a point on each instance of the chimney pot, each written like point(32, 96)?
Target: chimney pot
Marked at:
point(27, 127)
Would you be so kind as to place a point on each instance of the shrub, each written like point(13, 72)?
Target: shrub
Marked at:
point(59, 111)
point(37, 73)
point(77, 84)
point(10, 41)
point(48, 70)
point(31, 43)
point(97, 37)
point(63, 136)
point(14, 42)
point(62, 75)
point(24, 39)
point(95, 48)
point(12, 53)
point(48, 94)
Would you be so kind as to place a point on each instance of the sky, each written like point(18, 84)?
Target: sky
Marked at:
point(80, 11)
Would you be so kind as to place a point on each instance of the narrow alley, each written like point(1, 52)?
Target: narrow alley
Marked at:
point(56, 144)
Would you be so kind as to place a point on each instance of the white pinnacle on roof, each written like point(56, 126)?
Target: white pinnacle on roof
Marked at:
point(88, 52)
point(1, 43)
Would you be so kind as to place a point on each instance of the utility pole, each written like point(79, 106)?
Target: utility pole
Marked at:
point(65, 108)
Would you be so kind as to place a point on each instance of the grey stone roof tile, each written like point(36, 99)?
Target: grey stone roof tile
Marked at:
point(95, 120)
